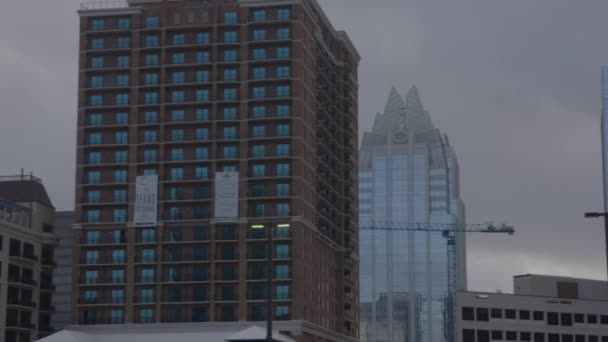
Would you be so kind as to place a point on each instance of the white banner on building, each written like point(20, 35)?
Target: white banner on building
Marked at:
point(146, 200)
point(226, 195)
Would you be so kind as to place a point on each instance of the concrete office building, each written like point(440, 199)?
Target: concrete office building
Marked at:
point(542, 309)
point(200, 94)
point(62, 277)
point(26, 259)
point(408, 173)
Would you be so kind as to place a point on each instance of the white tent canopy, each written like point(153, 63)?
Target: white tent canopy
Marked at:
point(163, 333)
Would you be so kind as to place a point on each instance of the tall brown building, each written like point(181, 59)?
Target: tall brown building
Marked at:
point(265, 91)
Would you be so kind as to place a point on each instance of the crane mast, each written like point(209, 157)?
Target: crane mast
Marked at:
point(448, 231)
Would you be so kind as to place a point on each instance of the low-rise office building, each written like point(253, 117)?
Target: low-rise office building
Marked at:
point(26, 259)
point(542, 309)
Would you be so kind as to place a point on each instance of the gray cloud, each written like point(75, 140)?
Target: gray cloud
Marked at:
point(515, 84)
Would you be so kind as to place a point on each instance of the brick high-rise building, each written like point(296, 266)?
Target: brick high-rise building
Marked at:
point(265, 91)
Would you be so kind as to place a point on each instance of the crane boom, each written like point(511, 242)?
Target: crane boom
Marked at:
point(448, 231)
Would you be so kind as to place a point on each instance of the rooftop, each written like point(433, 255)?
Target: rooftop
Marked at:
point(24, 189)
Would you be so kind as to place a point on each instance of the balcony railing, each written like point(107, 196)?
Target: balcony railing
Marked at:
point(96, 5)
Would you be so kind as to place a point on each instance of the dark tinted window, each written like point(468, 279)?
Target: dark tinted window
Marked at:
point(552, 318)
point(468, 335)
point(592, 319)
point(539, 316)
point(579, 318)
point(496, 335)
point(604, 338)
point(593, 339)
point(510, 314)
point(468, 314)
point(539, 337)
point(483, 335)
point(511, 335)
point(483, 314)
point(524, 314)
point(525, 336)
point(604, 319)
point(553, 337)
point(567, 338)
point(566, 319)
point(579, 338)
point(496, 313)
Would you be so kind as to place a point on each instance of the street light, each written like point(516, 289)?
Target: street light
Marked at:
point(268, 283)
point(605, 216)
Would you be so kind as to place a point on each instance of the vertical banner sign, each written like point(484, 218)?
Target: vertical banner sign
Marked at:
point(146, 200)
point(226, 195)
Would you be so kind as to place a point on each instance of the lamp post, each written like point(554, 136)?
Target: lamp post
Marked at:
point(605, 216)
point(268, 282)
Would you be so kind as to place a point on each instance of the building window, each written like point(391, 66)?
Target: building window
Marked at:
point(202, 76)
point(259, 92)
point(282, 292)
point(510, 314)
point(202, 38)
point(177, 135)
point(282, 150)
point(592, 319)
point(92, 257)
point(124, 23)
point(122, 99)
point(283, 33)
point(178, 96)
point(202, 114)
point(90, 297)
point(202, 57)
point(96, 100)
point(539, 337)
point(283, 14)
point(201, 134)
point(97, 25)
point(118, 296)
point(179, 39)
point(230, 55)
point(259, 210)
point(524, 314)
point(566, 319)
point(122, 80)
point(96, 82)
point(94, 177)
point(120, 196)
point(94, 158)
point(230, 152)
point(151, 59)
point(201, 172)
point(282, 170)
point(482, 314)
point(149, 156)
point(148, 255)
point(283, 71)
point(259, 73)
point(282, 312)
point(151, 41)
point(230, 17)
point(201, 153)
point(152, 22)
point(258, 151)
point(148, 235)
point(539, 316)
point(122, 61)
point(151, 97)
point(259, 34)
point(259, 53)
point(150, 136)
point(122, 118)
point(178, 77)
point(259, 15)
point(230, 133)
point(177, 174)
point(96, 62)
point(282, 190)
point(118, 276)
point(282, 252)
point(283, 209)
point(230, 113)
point(116, 316)
point(283, 110)
point(230, 75)
point(97, 43)
point(121, 157)
point(146, 316)
point(258, 112)
point(124, 42)
point(552, 318)
point(121, 138)
point(177, 154)
point(526, 336)
point(283, 91)
point(283, 52)
point(151, 78)
point(120, 176)
point(230, 94)
point(259, 170)
point(90, 277)
point(202, 95)
point(95, 139)
point(119, 215)
point(147, 274)
point(93, 216)
point(178, 58)
point(230, 37)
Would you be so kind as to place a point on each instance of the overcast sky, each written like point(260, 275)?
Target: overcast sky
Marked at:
point(514, 83)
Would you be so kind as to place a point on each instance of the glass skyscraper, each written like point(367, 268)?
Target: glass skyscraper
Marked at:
point(408, 173)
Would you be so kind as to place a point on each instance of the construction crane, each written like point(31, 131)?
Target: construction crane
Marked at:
point(448, 230)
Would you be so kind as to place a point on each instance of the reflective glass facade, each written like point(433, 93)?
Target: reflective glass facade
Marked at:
point(408, 173)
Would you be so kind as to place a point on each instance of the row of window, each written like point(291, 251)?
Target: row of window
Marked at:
point(200, 212)
point(200, 114)
point(551, 318)
point(199, 95)
point(226, 313)
point(469, 335)
point(180, 134)
point(199, 153)
point(229, 17)
point(176, 234)
point(181, 77)
point(198, 57)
